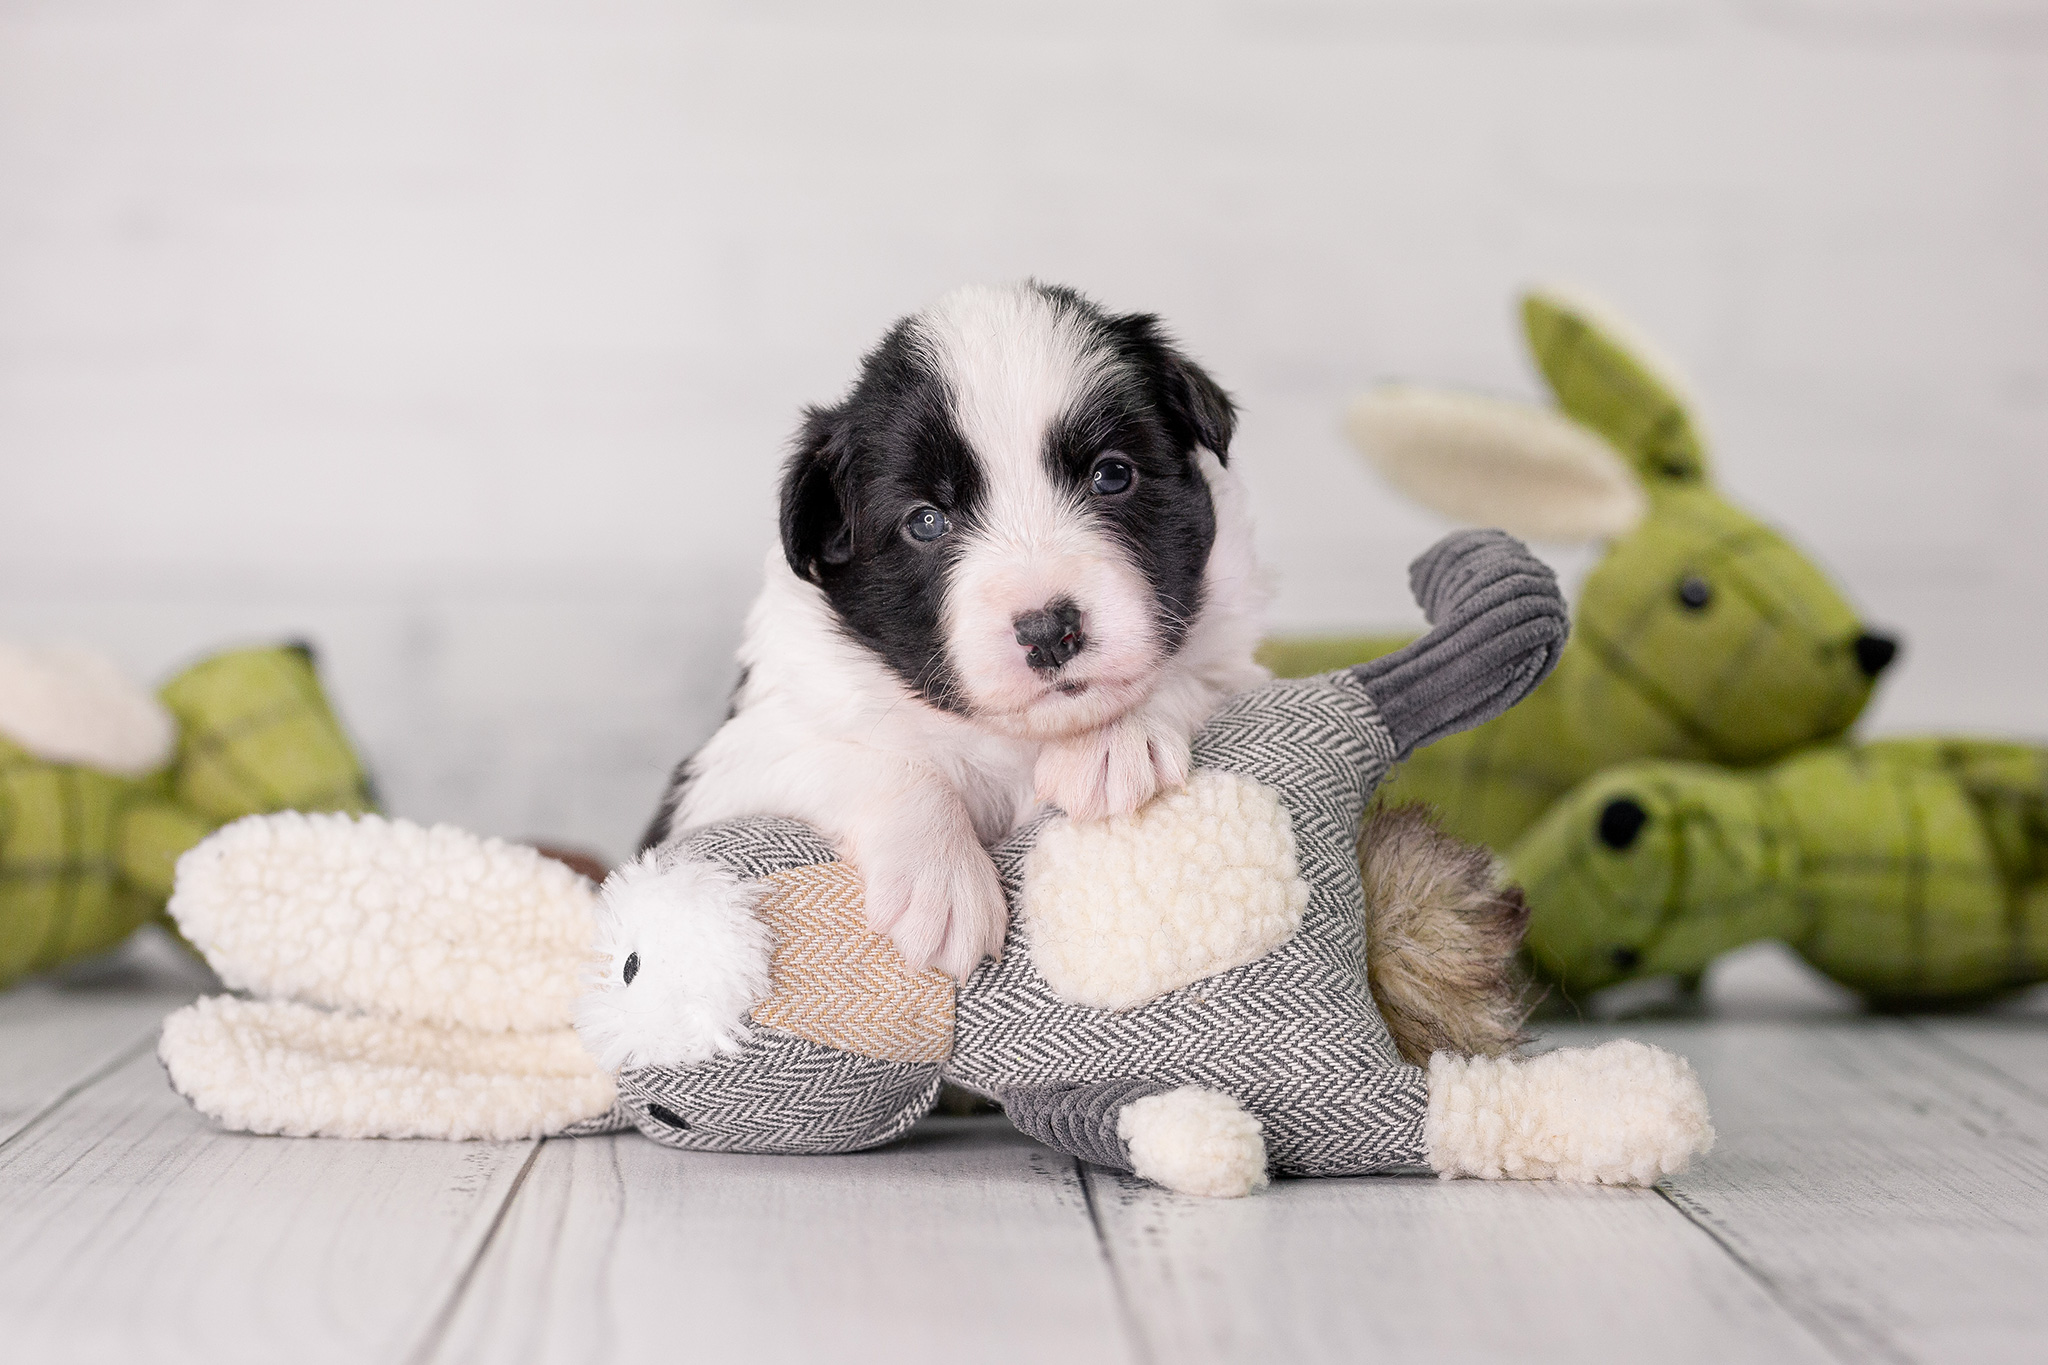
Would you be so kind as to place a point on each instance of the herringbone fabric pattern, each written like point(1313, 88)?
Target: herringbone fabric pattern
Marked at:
point(1294, 1036)
point(783, 1094)
point(840, 983)
point(758, 847)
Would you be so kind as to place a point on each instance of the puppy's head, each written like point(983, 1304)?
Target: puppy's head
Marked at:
point(1010, 507)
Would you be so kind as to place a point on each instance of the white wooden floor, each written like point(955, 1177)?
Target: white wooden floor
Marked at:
point(1880, 1193)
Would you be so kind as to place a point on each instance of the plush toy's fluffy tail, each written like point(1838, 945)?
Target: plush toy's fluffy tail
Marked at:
point(1441, 934)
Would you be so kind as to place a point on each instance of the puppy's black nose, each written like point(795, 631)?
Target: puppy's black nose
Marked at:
point(1052, 636)
point(1875, 652)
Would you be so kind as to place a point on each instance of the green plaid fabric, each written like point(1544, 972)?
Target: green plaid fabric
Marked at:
point(87, 857)
point(1703, 634)
point(256, 733)
point(1912, 871)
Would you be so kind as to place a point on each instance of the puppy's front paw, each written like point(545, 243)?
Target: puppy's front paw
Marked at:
point(682, 961)
point(937, 898)
point(1113, 770)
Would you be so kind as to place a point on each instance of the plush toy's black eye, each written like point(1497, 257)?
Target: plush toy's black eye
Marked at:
point(632, 967)
point(1621, 820)
point(1625, 959)
point(927, 524)
point(1112, 474)
point(1694, 592)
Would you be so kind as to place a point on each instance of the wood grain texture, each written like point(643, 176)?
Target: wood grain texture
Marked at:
point(1879, 1192)
point(1410, 1268)
point(58, 1033)
point(966, 1241)
point(1891, 1195)
point(131, 1230)
point(2014, 1049)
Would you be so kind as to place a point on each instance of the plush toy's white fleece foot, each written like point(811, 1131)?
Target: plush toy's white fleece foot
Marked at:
point(267, 1066)
point(1194, 1141)
point(387, 918)
point(681, 962)
point(1623, 1113)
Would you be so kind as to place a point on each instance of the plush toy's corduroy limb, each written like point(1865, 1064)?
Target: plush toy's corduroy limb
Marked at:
point(1498, 626)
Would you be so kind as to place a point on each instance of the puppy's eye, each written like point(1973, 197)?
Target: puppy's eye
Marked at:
point(1694, 592)
point(1112, 474)
point(926, 524)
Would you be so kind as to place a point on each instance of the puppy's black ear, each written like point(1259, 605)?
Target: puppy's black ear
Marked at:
point(1204, 404)
point(815, 530)
point(1193, 401)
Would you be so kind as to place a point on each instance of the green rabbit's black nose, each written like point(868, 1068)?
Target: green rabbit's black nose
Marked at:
point(1875, 652)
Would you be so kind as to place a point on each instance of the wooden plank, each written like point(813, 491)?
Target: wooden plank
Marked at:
point(2014, 1048)
point(132, 1229)
point(1411, 1268)
point(1893, 1196)
point(58, 1033)
point(967, 1241)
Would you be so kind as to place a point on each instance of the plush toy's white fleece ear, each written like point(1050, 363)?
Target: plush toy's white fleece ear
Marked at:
point(67, 704)
point(269, 1066)
point(1623, 1113)
point(681, 962)
point(385, 917)
point(1495, 462)
point(1194, 1141)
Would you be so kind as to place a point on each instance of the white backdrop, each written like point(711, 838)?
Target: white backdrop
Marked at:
point(465, 337)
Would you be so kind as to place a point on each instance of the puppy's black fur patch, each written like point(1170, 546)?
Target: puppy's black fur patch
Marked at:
point(857, 471)
point(860, 467)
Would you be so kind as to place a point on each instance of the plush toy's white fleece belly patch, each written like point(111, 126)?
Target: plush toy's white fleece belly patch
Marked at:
point(1198, 881)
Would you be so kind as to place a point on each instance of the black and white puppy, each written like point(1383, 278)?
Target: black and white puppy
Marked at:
point(1014, 568)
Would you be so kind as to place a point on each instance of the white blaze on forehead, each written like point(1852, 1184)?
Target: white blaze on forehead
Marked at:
point(1014, 364)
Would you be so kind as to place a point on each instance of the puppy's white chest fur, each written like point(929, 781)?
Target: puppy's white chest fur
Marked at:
point(818, 718)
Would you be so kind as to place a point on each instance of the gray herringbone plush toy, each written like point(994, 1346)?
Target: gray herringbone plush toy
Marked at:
point(1183, 991)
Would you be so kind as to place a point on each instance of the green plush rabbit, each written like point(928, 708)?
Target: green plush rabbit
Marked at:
point(1912, 871)
point(1702, 634)
point(102, 786)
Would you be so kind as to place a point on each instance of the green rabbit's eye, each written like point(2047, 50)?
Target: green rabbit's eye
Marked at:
point(1621, 820)
point(1694, 592)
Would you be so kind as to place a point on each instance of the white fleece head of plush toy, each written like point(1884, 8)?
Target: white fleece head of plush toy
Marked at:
point(681, 959)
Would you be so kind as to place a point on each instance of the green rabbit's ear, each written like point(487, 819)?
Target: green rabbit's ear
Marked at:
point(1496, 462)
point(1610, 380)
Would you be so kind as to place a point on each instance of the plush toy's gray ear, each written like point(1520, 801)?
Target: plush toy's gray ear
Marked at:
point(1496, 462)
